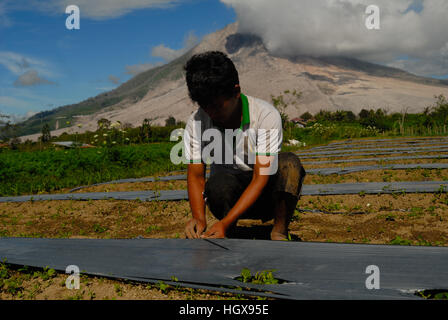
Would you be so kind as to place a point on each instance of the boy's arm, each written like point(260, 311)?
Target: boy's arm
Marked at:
point(248, 198)
point(196, 185)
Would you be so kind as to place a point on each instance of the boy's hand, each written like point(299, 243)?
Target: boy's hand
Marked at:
point(217, 231)
point(195, 228)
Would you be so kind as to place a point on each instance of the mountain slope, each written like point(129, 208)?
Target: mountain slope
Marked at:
point(329, 83)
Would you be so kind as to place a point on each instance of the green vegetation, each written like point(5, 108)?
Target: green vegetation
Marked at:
point(162, 286)
point(50, 170)
point(99, 229)
point(151, 229)
point(46, 136)
point(433, 294)
point(419, 242)
point(261, 277)
point(326, 125)
point(399, 241)
point(12, 282)
point(118, 290)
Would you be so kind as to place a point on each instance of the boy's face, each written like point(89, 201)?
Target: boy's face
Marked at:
point(221, 109)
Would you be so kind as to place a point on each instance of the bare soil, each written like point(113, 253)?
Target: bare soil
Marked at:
point(372, 155)
point(33, 286)
point(373, 163)
point(367, 176)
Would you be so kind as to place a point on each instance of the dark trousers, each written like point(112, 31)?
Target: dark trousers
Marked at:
point(223, 189)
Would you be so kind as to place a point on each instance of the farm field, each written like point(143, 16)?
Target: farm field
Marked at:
point(397, 219)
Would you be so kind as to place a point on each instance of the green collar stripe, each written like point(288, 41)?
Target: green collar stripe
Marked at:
point(246, 117)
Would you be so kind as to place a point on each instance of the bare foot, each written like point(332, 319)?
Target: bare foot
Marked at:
point(278, 236)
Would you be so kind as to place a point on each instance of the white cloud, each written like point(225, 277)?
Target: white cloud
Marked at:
point(337, 27)
point(18, 63)
point(169, 54)
point(93, 9)
point(31, 78)
point(17, 110)
point(16, 118)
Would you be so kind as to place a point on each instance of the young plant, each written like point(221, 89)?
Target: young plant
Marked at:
point(261, 277)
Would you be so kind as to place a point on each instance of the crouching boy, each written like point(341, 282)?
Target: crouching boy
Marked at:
point(249, 177)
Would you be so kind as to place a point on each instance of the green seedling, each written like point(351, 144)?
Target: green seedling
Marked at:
point(151, 229)
point(92, 295)
point(163, 287)
point(98, 229)
point(415, 212)
point(433, 294)
point(118, 290)
point(441, 190)
point(261, 277)
point(399, 241)
point(390, 217)
point(139, 219)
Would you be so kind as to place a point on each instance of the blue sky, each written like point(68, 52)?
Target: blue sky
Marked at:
point(44, 65)
point(67, 66)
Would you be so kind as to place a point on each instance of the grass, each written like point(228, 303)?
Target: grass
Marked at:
point(12, 282)
point(151, 229)
point(99, 229)
point(419, 242)
point(416, 212)
point(52, 170)
point(399, 241)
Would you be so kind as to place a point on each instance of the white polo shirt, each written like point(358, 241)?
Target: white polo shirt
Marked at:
point(260, 133)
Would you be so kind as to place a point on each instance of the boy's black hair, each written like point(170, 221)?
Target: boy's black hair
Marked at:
point(210, 75)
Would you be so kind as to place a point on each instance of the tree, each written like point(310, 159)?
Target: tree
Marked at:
point(375, 119)
point(339, 116)
point(181, 124)
point(145, 130)
point(350, 116)
point(127, 125)
point(324, 115)
point(364, 114)
point(404, 111)
point(14, 143)
point(103, 124)
point(282, 103)
point(306, 116)
point(9, 130)
point(46, 135)
point(170, 122)
point(440, 110)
